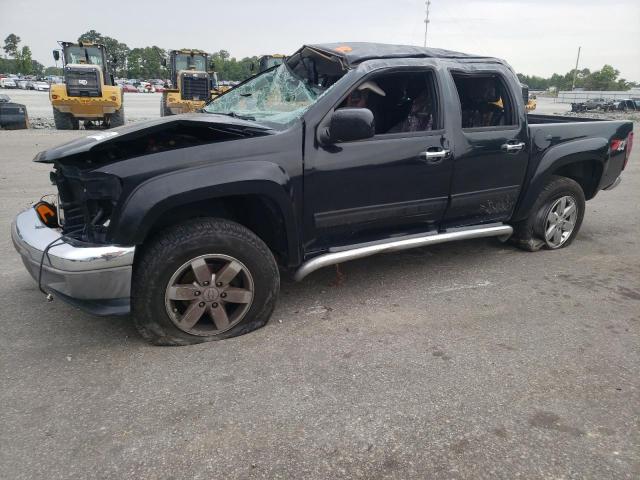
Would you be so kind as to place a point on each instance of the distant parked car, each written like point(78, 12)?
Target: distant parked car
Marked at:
point(596, 104)
point(129, 88)
point(41, 86)
point(8, 83)
point(159, 88)
point(13, 116)
point(146, 87)
point(625, 105)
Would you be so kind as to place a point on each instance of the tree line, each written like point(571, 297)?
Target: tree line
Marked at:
point(146, 62)
point(607, 78)
point(18, 59)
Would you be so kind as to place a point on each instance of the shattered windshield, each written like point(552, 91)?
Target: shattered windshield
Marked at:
point(279, 96)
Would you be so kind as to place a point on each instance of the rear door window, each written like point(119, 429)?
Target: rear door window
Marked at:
point(484, 100)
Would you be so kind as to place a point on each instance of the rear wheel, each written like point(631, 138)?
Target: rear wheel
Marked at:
point(203, 280)
point(555, 218)
point(117, 118)
point(164, 110)
point(65, 121)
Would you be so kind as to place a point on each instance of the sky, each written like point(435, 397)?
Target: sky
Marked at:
point(537, 37)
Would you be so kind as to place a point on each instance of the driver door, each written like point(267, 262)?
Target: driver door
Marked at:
point(382, 186)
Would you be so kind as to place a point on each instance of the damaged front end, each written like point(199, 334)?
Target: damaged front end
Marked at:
point(70, 248)
point(86, 202)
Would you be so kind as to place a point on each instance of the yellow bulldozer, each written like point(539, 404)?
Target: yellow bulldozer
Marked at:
point(89, 92)
point(193, 84)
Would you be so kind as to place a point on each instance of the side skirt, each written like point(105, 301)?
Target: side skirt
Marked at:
point(344, 254)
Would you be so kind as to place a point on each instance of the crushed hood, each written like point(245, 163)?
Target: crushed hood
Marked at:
point(165, 133)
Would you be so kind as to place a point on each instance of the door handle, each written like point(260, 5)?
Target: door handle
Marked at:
point(513, 147)
point(434, 157)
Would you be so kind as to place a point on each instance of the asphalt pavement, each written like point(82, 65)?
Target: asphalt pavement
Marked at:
point(471, 360)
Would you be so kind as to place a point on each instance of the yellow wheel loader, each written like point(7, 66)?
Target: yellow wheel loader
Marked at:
point(192, 84)
point(265, 62)
point(89, 92)
point(530, 102)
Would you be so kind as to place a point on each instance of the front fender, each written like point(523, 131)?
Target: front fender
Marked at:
point(149, 200)
point(553, 158)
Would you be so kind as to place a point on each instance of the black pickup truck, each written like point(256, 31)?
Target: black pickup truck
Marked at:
point(341, 152)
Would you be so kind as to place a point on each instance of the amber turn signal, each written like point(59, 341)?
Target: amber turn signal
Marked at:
point(47, 213)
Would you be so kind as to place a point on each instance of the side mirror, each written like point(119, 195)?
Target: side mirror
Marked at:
point(56, 55)
point(348, 125)
point(163, 62)
point(252, 66)
point(212, 65)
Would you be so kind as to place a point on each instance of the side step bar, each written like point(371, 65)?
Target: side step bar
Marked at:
point(396, 244)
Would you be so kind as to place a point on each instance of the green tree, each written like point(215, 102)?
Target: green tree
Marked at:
point(55, 71)
point(117, 52)
point(37, 68)
point(90, 37)
point(228, 68)
point(145, 63)
point(24, 61)
point(607, 78)
point(11, 44)
point(7, 65)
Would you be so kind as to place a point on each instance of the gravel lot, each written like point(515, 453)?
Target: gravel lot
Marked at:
point(464, 361)
point(138, 106)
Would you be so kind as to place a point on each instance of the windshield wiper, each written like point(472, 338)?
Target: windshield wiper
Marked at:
point(234, 115)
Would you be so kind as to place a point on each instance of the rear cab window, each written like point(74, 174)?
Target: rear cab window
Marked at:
point(485, 102)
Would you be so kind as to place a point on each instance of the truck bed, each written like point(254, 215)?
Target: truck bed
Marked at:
point(536, 119)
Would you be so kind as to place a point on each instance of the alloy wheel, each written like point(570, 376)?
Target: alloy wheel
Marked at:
point(560, 221)
point(209, 294)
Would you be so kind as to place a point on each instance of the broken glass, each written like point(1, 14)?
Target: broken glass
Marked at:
point(275, 96)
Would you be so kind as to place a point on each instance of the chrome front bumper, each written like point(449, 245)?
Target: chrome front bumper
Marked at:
point(96, 278)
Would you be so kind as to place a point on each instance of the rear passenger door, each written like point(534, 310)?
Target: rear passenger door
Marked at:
point(490, 147)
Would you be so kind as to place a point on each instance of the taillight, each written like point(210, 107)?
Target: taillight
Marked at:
point(627, 153)
point(625, 145)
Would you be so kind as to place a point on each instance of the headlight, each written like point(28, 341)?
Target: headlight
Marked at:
point(60, 211)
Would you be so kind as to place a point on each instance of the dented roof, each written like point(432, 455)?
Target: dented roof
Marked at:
point(353, 53)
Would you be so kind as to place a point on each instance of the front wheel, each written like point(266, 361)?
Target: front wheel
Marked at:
point(555, 218)
point(206, 279)
point(64, 120)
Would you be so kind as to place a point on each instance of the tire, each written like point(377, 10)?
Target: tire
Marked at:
point(531, 234)
point(65, 121)
point(117, 118)
point(163, 313)
point(164, 110)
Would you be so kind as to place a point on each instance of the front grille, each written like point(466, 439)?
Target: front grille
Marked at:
point(82, 82)
point(195, 86)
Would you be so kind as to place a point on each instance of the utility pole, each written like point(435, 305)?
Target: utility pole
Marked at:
point(575, 71)
point(426, 21)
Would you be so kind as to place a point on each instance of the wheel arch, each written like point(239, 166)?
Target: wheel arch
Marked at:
point(581, 160)
point(250, 193)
